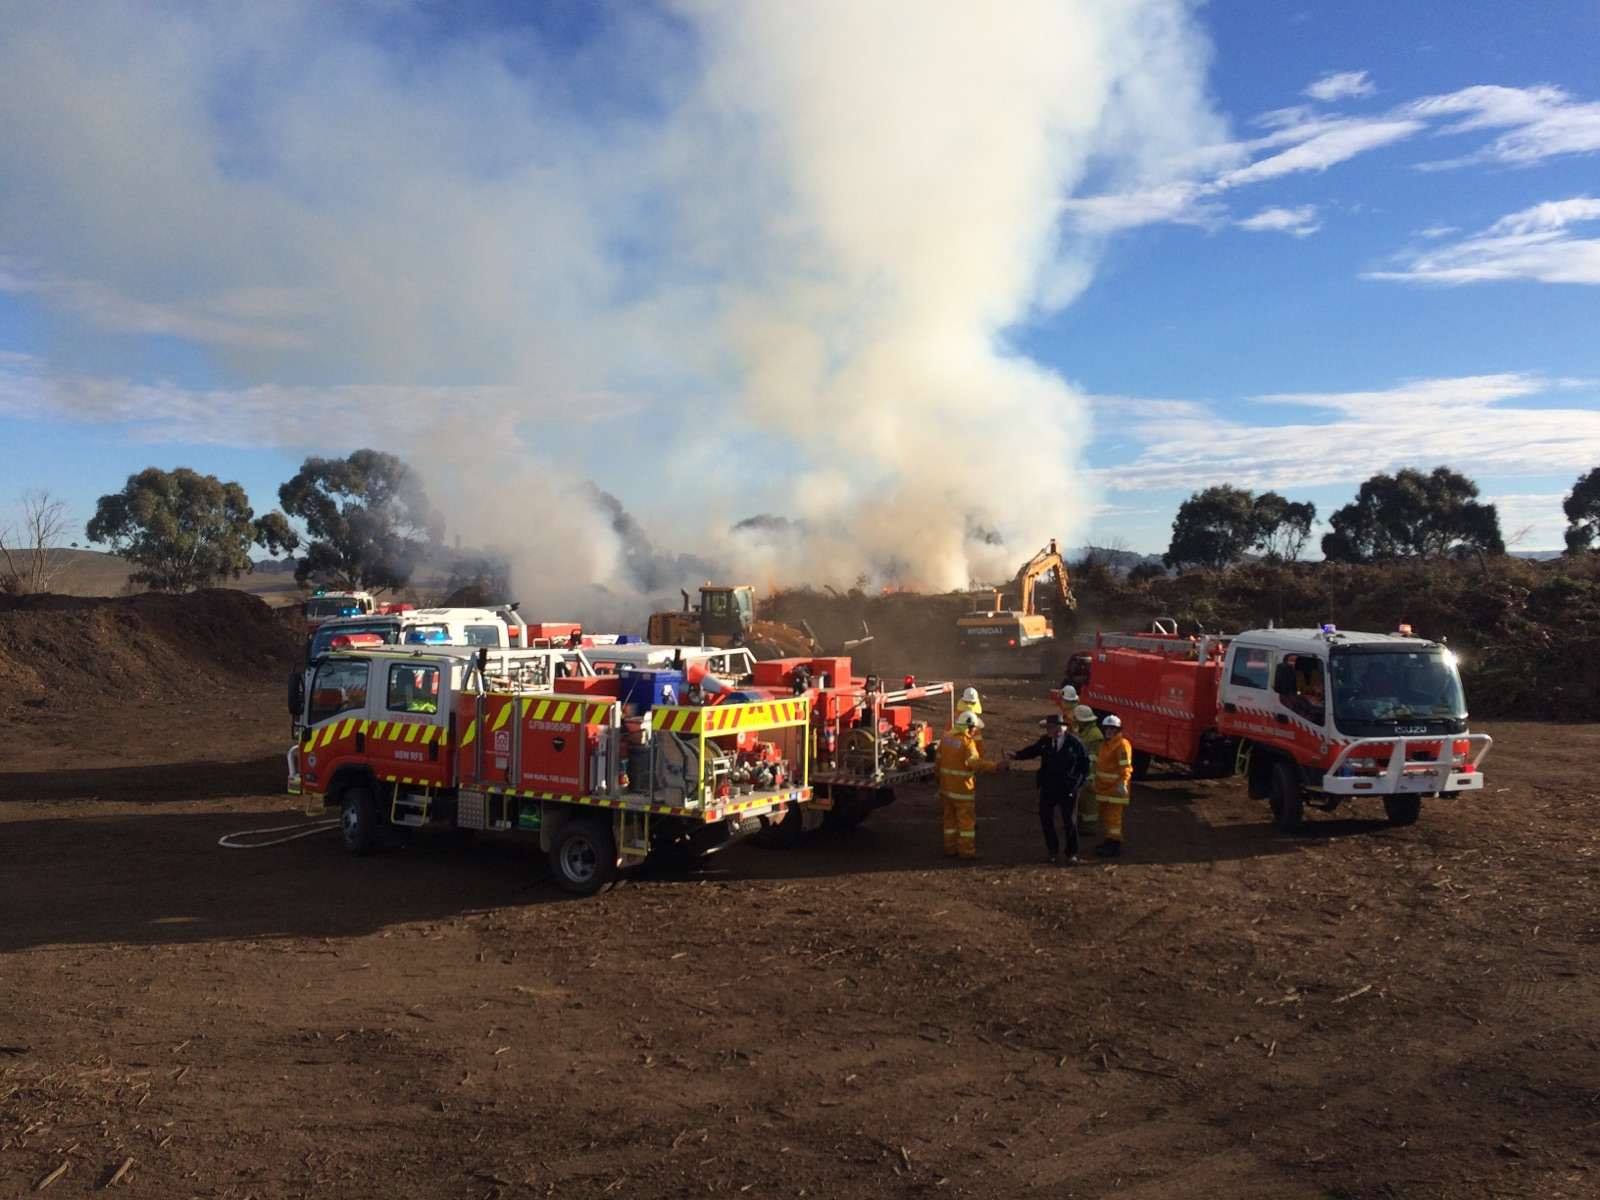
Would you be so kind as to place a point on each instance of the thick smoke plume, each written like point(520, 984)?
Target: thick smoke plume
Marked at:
point(777, 269)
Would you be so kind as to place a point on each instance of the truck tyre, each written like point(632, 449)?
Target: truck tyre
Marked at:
point(583, 857)
point(1288, 803)
point(1402, 810)
point(1141, 763)
point(358, 821)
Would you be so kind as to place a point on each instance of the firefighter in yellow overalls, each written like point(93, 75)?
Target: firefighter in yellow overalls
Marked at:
point(1088, 731)
point(1113, 783)
point(959, 761)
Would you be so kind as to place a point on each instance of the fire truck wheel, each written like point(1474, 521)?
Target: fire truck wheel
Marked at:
point(358, 821)
point(1288, 804)
point(1402, 810)
point(1141, 764)
point(583, 857)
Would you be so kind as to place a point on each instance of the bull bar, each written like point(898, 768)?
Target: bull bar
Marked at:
point(1403, 774)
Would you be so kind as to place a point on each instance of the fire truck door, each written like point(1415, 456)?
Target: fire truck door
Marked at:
point(407, 724)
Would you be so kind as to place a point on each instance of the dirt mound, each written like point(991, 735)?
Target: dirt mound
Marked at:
point(910, 631)
point(67, 653)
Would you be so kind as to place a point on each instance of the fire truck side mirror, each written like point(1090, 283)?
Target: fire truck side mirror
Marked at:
point(1283, 681)
point(297, 693)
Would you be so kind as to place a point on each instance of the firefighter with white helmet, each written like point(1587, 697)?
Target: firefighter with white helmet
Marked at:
point(1067, 699)
point(960, 760)
point(970, 702)
point(1113, 782)
point(1087, 728)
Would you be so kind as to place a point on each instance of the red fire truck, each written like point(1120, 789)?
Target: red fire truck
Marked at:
point(1308, 716)
point(485, 739)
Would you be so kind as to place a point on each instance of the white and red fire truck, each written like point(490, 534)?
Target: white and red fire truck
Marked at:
point(1308, 716)
point(323, 605)
point(605, 775)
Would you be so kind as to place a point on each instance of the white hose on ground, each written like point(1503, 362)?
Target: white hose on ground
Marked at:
point(231, 841)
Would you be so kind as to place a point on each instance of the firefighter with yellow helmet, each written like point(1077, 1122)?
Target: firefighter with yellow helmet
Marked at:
point(960, 761)
point(1087, 728)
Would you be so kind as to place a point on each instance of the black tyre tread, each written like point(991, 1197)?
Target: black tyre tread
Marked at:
point(364, 838)
point(1288, 802)
point(605, 845)
point(1402, 810)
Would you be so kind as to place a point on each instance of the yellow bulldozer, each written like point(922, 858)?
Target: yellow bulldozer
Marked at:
point(726, 616)
point(1023, 629)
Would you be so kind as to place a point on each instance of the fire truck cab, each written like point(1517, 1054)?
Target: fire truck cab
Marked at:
point(1308, 716)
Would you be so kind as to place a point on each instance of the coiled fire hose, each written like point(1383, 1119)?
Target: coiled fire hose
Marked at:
point(244, 839)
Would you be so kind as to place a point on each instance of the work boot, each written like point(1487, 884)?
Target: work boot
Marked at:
point(1072, 860)
point(1050, 858)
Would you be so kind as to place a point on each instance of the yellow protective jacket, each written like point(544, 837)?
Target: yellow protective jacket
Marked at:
point(975, 707)
point(959, 760)
point(1091, 737)
point(1113, 770)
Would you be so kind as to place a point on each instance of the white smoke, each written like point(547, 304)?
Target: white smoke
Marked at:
point(794, 251)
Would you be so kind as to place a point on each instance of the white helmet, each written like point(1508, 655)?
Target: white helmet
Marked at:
point(970, 696)
point(1069, 694)
point(1082, 713)
point(969, 720)
point(1112, 722)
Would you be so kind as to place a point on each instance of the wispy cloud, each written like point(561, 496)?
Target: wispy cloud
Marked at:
point(1466, 421)
point(297, 417)
point(1341, 85)
point(247, 319)
point(1536, 123)
point(1540, 122)
point(1537, 244)
point(1299, 222)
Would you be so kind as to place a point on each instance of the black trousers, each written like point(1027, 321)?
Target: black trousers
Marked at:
point(1067, 802)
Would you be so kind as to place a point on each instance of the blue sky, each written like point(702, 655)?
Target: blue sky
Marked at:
point(723, 264)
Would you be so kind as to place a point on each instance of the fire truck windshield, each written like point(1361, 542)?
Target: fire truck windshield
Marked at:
point(332, 606)
point(1390, 688)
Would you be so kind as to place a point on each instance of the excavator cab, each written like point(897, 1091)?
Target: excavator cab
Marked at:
point(727, 612)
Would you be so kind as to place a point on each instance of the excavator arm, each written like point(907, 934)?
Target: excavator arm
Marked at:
point(1043, 563)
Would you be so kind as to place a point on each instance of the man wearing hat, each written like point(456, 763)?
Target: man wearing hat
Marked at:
point(1063, 766)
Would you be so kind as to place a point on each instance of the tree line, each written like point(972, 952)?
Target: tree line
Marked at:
point(369, 522)
point(367, 518)
point(1410, 514)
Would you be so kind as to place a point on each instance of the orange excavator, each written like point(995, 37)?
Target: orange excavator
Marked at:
point(1023, 631)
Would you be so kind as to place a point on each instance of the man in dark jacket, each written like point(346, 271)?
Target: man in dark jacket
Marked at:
point(1063, 766)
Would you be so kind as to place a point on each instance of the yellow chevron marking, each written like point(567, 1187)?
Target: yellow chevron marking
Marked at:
point(412, 731)
point(523, 711)
point(349, 724)
point(540, 709)
point(560, 713)
point(472, 732)
point(501, 718)
point(364, 726)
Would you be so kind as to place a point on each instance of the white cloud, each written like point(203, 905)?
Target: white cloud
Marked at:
point(1327, 148)
point(1300, 222)
point(1541, 122)
point(297, 416)
point(1465, 422)
point(1534, 244)
point(1538, 123)
point(1341, 85)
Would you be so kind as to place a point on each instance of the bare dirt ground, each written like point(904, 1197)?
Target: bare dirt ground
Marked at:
point(1361, 1012)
